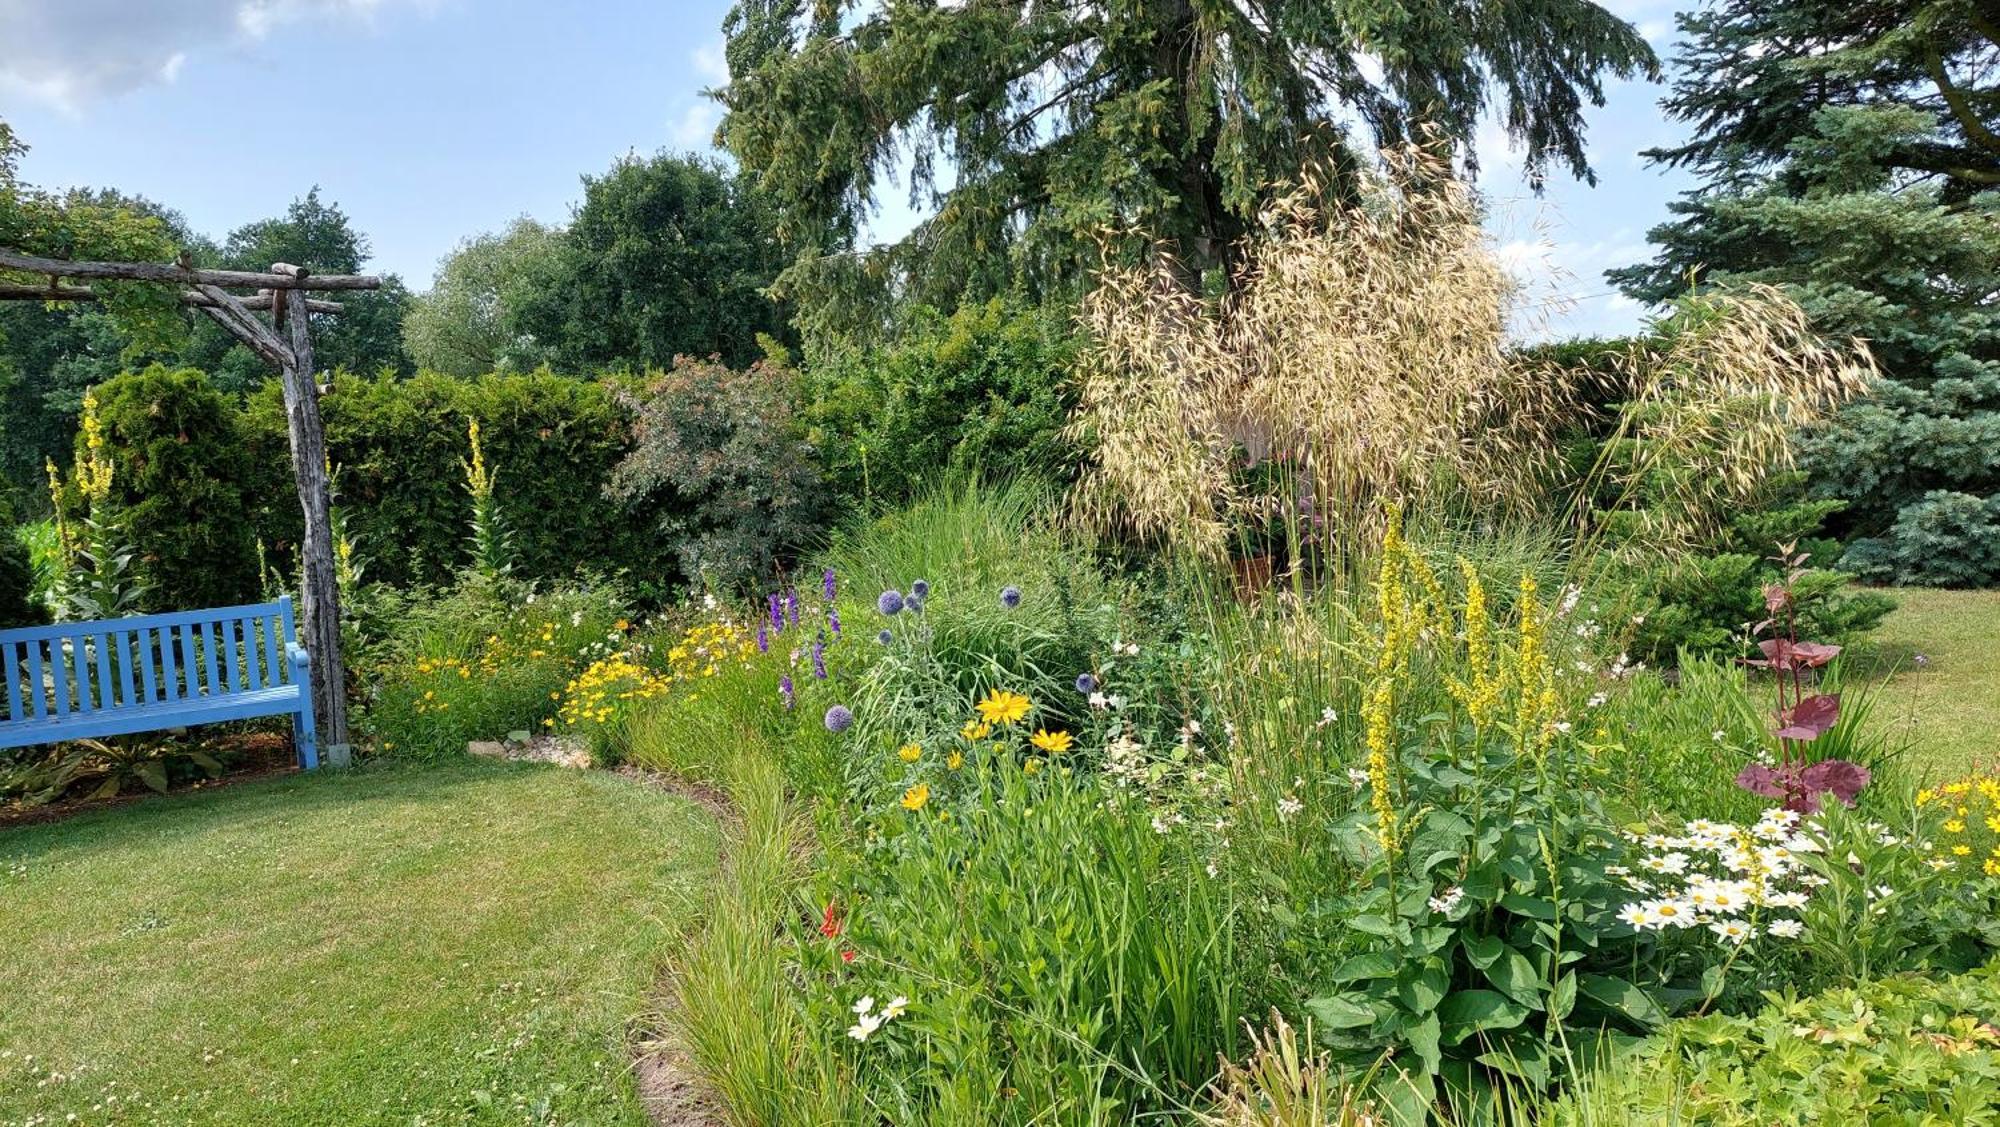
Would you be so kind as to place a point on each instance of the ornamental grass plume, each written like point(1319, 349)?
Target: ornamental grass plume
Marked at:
point(1716, 400)
point(1363, 348)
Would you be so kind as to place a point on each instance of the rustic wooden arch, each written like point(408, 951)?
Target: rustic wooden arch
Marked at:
point(286, 343)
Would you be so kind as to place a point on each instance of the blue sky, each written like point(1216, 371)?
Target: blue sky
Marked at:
point(432, 120)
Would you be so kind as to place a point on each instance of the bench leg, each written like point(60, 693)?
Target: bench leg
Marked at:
point(304, 735)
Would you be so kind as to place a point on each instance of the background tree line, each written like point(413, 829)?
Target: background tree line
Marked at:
point(1849, 155)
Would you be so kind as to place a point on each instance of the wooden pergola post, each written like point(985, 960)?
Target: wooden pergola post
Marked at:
point(285, 343)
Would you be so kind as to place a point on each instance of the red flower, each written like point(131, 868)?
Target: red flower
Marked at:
point(847, 956)
point(829, 923)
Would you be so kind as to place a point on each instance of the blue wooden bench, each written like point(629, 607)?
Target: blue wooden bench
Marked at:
point(88, 680)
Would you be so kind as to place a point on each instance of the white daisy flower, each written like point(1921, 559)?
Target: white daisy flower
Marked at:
point(1732, 931)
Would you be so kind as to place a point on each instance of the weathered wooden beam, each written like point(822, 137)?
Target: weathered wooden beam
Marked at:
point(309, 468)
point(229, 311)
point(174, 272)
point(9, 291)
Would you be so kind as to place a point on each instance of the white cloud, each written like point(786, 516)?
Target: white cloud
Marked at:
point(710, 64)
point(695, 127)
point(70, 53)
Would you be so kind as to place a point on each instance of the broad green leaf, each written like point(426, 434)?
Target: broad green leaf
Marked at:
point(1466, 1012)
point(1421, 988)
point(1562, 999)
point(1622, 997)
point(1482, 950)
point(1533, 906)
point(1423, 1038)
point(1368, 964)
point(1340, 1011)
point(1516, 978)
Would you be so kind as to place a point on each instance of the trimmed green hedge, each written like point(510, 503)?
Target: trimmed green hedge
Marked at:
point(399, 446)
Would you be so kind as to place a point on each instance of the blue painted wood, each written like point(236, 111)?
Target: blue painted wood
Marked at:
point(196, 667)
point(16, 702)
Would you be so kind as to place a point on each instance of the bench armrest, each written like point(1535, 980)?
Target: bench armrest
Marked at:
point(296, 655)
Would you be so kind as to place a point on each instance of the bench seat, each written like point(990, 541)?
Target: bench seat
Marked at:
point(117, 677)
point(124, 721)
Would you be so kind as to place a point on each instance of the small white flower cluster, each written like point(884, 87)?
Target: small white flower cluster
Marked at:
point(1722, 877)
point(1445, 901)
point(867, 1020)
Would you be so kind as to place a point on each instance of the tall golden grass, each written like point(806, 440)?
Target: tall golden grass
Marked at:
point(1363, 349)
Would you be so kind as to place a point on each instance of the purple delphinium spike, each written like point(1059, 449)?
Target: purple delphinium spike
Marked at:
point(838, 719)
point(833, 618)
point(791, 608)
point(785, 690)
point(826, 585)
point(819, 659)
point(763, 639)
point(777, 614)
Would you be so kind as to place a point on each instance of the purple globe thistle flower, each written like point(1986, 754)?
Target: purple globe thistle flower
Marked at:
point(819, 659)
point(885, 637)
point(763, 638)
point(1086, 684)
point(777, 614)
point(791, 608)
point(914, 604)
point(833, 620)
point(1010, 597)
point(889, 602)
point(826, 585)
point(839, 719)
point(785, 691)
point(921, 588)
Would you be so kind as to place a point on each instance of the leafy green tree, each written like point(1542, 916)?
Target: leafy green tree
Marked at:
point(367, 335)
point(667, 256)
point(470, 321)
point(1850, 154)
point(1032, 127)
point(48, 357)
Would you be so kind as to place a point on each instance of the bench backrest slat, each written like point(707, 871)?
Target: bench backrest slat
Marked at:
point(85, 668)
point(11, 665)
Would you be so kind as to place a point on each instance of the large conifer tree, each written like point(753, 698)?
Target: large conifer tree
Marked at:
point(1029, 126)
point(1851, 152)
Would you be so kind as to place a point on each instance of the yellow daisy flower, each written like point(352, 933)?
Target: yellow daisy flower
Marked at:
point(1003, 707)
point(916, 796)
point(910, 752)
point(955, 760)
point(1052, 742)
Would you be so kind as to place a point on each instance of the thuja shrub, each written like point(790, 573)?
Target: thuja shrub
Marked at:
point(178, 486)
point(986, 388)
point(400, 445)
point(18, 606)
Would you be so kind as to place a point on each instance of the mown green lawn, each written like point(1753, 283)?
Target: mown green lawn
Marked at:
point(1947, 705)
point(411, 945)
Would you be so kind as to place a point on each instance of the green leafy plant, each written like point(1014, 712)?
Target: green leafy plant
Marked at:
point(1899, 1050)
